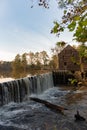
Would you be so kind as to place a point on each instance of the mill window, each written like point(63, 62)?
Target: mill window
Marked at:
point(65, 63)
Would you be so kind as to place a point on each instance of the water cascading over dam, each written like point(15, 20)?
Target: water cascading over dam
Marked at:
point(18, 90)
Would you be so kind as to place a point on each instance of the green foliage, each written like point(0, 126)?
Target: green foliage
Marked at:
point(82, 48)
point(84, 22)
point(73, 59)
point(81, 34)
point(72, 26)
point(74, 18)
point(61, 44)
point(73, 81)
point(56, 26)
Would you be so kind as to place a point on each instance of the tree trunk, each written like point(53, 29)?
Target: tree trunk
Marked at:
point(49, 105)
point(81, 65)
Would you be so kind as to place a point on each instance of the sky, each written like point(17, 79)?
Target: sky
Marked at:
point(24, 29)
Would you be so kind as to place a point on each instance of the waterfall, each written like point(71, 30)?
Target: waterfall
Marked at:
point(17, 90)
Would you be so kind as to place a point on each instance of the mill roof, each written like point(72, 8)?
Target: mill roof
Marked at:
point(68, 47)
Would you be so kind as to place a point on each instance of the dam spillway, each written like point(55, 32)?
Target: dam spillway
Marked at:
point(18, 90)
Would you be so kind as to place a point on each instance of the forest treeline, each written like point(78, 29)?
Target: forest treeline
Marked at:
point(38, 62)
point(29, 63)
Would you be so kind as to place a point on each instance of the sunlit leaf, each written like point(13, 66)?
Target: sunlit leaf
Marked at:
point(76, 18)
point(55, 30)
point(65, 11)
point(84, 23)
point(71, 26)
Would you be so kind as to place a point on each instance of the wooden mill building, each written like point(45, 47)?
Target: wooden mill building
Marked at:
point(68, 59)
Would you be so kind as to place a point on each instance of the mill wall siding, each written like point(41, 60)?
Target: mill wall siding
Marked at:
point(66, 57)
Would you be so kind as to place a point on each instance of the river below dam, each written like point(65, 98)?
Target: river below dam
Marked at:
point(30, 115)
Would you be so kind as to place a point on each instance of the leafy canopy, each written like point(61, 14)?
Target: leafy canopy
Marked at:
point(74, 18)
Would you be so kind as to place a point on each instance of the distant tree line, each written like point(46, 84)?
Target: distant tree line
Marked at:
point(5, 68)
point(29, 63)
point(38, 62)
point(34, 62)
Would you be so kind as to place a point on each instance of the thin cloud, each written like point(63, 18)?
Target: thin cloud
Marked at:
point(6, 56)
point(23, 29)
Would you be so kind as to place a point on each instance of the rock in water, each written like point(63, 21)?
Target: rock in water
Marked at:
point(78, 117)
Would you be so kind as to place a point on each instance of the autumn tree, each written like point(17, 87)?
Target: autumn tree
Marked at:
point(16, 66)
point(60, 46)
point(31, 59)
point(55, 51)
point(37, 60)
point(53, 63)
point(44, 58)
point(24, 61)
point(82, 49)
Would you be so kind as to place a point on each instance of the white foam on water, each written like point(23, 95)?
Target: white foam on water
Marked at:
point(5, 79)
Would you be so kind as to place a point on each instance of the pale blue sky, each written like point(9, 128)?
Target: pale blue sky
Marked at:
point(25, 29)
